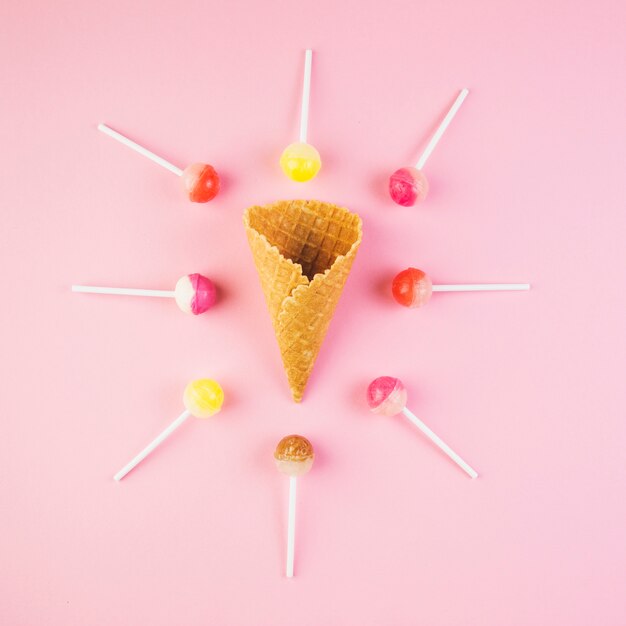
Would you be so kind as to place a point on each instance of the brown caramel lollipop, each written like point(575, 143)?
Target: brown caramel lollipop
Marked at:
point(294, 456)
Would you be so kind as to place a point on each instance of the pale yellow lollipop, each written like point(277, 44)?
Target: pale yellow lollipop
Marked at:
point(202, 398)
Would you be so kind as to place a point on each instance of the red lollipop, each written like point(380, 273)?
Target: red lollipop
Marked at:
point(412, 287)
point(200, 180)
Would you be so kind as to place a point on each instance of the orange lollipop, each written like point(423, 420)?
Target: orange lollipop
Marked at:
point(200, 180)
point(412, 287)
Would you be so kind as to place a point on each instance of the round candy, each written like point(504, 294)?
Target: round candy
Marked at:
point(300, 161)
point(201, 182)
point(203, 397)
point(412, 288)
point(407, 186)
point(194, 294)
point(386, 396)
point(294, 455)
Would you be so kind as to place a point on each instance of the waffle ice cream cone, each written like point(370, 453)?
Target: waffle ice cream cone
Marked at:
point(303, 251)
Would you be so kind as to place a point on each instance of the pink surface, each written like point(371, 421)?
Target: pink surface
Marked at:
point(526, 185)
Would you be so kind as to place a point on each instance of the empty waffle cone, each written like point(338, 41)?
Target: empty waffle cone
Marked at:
point(303, 251)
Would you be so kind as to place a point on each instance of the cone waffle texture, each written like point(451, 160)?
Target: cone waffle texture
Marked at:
point(303, 251)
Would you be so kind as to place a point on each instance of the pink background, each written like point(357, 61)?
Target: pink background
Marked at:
point(527, 185)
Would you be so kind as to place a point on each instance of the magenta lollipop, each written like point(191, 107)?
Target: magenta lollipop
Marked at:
point(387, 396)
point(193, 293)
point(409, 185)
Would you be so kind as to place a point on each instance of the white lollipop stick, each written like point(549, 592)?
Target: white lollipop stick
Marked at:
point(440, 443)
point(122, 291)
point(442, 128)
point(484, 287)
point(150, 447)
point(137, 148)
point(306, 92)
point(291, 526)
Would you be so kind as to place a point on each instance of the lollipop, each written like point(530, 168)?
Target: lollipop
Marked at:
point(294, 456)
point(412, 287)
point(202, 398)
point(409, 185)
point(200, 180)
point(300, 160)
point(193, 293)
point(387, 396)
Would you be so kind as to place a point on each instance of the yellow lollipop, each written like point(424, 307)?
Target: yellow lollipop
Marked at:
point(202, 398)
point(300, 160)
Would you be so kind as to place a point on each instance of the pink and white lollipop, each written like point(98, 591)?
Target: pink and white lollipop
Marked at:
point(409, 185)
point(387, 396)
point(200, 180)
point(193, 293)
